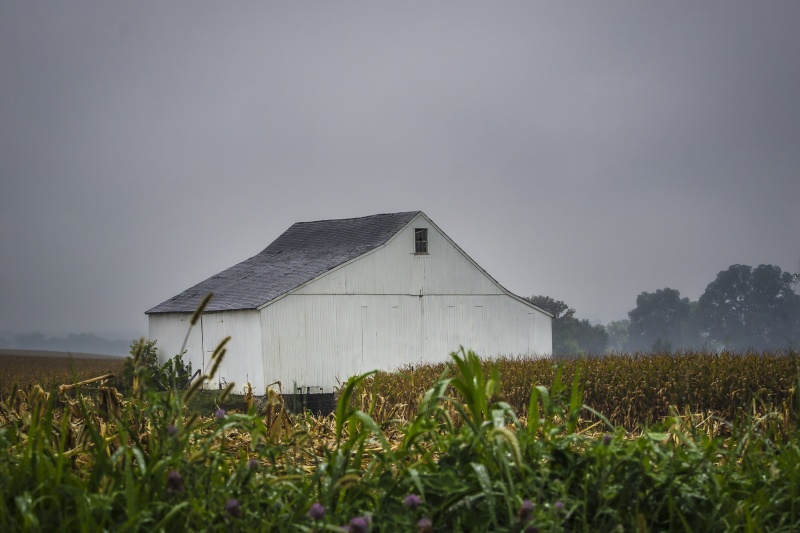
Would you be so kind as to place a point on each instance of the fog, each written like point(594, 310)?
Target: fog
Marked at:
point(588, 152)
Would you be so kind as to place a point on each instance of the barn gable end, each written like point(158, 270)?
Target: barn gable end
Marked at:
point(395, 268)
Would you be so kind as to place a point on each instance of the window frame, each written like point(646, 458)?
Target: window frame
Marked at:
point(424, 241)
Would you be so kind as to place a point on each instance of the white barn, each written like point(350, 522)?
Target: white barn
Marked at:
point(334, 298)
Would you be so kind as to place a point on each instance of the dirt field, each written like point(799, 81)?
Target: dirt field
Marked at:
point(50, 369)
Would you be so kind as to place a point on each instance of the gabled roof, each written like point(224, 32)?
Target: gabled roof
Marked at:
point(304, 251)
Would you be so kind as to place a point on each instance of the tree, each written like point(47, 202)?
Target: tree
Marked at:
point(618, 335)
point(570, 335)
point(592, 339)
point(751, 308)
point(557, 307)
point(660, 321)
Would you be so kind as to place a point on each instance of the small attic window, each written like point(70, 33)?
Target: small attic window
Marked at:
point(421, 240)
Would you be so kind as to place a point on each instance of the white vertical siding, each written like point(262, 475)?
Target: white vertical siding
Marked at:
point(320, 340)
point(169, 330)
point(544, 336)
point(242, 362)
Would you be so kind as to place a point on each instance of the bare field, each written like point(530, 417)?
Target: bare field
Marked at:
point(48, 353)
point(50, 369)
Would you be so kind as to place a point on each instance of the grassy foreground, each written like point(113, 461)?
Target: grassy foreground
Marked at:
point(462, 460)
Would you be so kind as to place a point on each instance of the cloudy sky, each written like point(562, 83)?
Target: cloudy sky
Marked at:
point(585, 151)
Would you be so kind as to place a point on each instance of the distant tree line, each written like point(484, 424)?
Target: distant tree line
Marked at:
point(743, 308)
point(74, 342)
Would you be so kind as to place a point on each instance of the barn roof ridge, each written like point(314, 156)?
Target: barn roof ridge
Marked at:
point(301, 253)
point(401, 213)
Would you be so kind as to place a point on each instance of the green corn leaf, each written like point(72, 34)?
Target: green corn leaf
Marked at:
point(533, 411)
point(486, 488)
point(510, 439)
point(343, 409)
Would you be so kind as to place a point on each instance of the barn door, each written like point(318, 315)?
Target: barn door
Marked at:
point(213, 332)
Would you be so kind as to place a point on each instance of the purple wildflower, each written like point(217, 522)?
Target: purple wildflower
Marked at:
point(412, 501)
point(317, 511)
point(558, 506)
point(220, 413)
point(525, 510)
point(253, 464)
point(233, 507)
point(174, 481)
point(359, 524)
point(172, 430)
point(425, 525)
point(607, 439)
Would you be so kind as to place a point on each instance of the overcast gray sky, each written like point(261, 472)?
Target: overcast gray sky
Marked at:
point(586, 151)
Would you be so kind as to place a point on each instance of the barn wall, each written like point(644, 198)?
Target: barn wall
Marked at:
point(169, 329)
point(396, 269)
point(321, 340)
point(242, 362)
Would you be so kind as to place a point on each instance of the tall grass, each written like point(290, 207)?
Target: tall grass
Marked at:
point(464, 459)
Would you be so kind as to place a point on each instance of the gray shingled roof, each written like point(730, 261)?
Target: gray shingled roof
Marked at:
point(304, 251)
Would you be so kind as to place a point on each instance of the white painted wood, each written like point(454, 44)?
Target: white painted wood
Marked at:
point(320, 340)
point(169, 330)
point(242, 362)
point(383, 310)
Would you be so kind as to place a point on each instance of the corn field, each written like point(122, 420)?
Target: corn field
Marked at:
point(630, 390)
point(616, 444)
